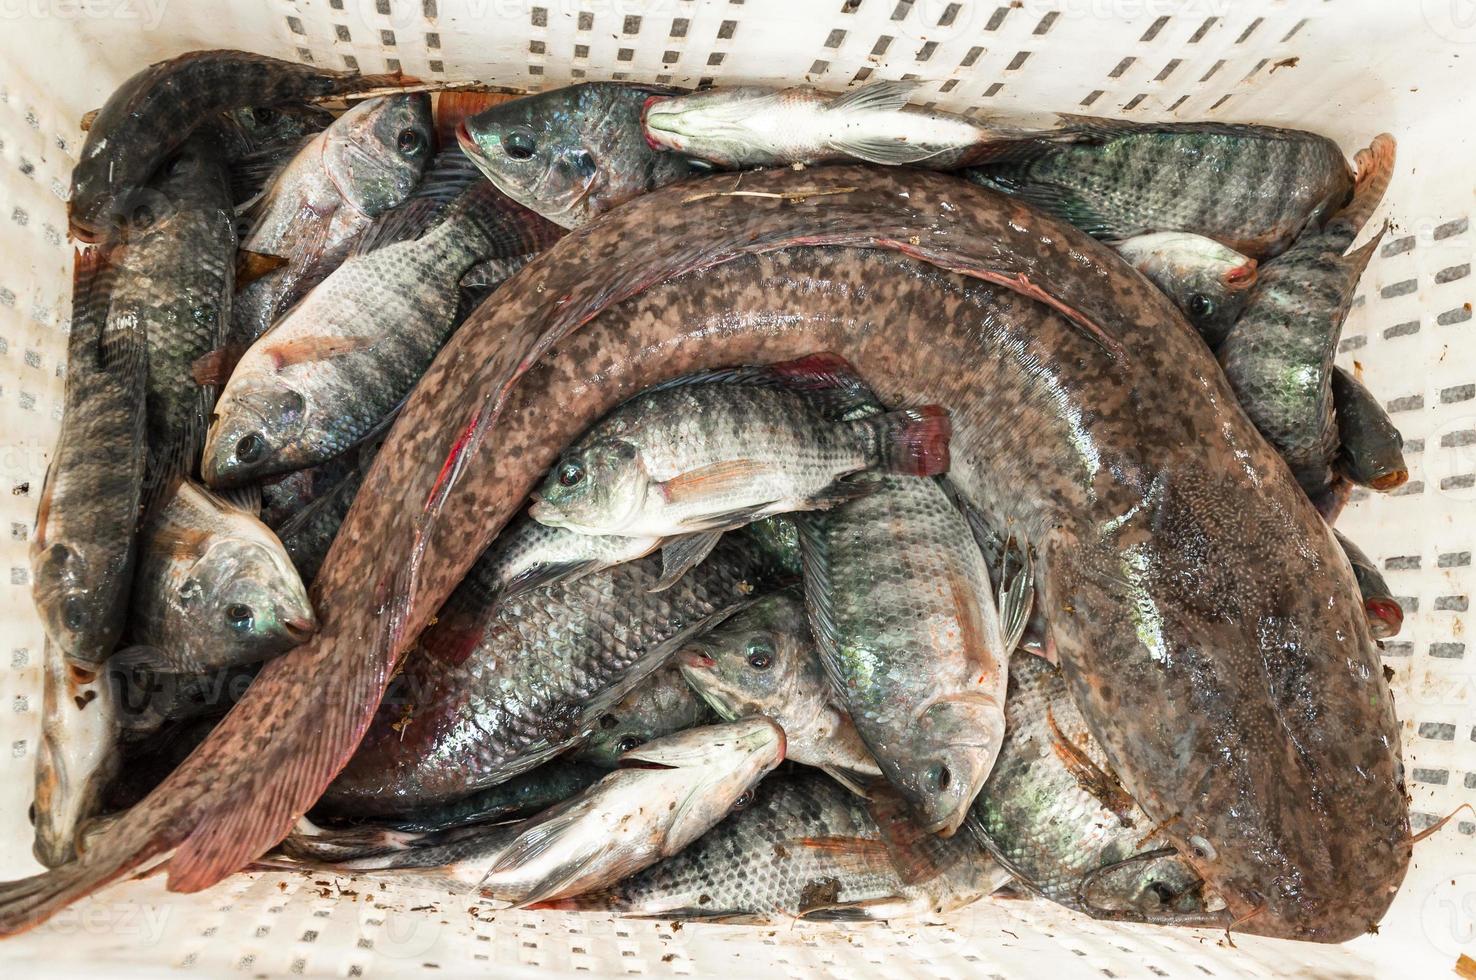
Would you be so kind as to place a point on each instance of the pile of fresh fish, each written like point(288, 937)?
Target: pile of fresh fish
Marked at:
point(845, 541)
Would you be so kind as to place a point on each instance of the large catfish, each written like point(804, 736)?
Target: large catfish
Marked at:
point(1207, 622)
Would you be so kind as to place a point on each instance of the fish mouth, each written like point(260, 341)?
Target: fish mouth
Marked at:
point(464, 138)
point(300, 628)
point(1242, 276)
point(645, 115)
point(696, 659)
point(1387, 612)
point(1389, 481)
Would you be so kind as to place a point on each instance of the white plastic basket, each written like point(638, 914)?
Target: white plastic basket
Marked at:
point(1349, 69)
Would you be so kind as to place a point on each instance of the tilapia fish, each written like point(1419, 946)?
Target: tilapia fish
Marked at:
point(521, 796)
point(661, 705)
point(214, 589)
point(903, 613)
point(1197, 602)
point(751, 126)
point(76, 756)
point(308, 534)
point(258, 141)
point(537, 554)
point(82, 549)
point(336, 366)
point(804, 848)
point(1209, 282)
point(310, 215)
point(573, 153)
point(1371, 450)
point(1252, 188)
point(1385, 615)
point(174, 277)
point(497, 687)
point(157, 109)
point(762, 660)
point(1056, 816)
point(1279, 355)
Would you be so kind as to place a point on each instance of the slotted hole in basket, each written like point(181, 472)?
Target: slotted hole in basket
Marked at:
point(1199, 34)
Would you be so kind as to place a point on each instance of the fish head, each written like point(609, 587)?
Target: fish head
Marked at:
point(719, 766)
point(569, 154)
point(599, 488)
point(760, 660)
point(1208, 281)
point(718, 126)
point(79, 617)
point(658, 707)
point(375, 153)
point(1154, 887)
point(75, 760)
point(943, 758)
point(244, 596)
point(260, 127)
point(259, 423)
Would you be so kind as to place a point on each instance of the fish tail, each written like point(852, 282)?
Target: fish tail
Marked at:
point(28, 902)
point(913, 441)
point(1375, 165)
point(359, 85)
point(452, 108)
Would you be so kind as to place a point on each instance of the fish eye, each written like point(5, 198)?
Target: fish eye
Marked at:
point(1201, 305)
point(142, 216)
point(74, 613)
point(629, 742)
point(760, 654)
point(238, 616)
point(1163, 893)
point(520, 144)
point(584, 164)
point(60, 552)
point(942, 777)
point(608, 722)
point(570, 474)
point(744, 798)
point(410, 141)
point(250, 448)
point(261, 115)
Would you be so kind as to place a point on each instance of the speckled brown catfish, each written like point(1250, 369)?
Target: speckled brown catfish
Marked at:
point(1201, 609)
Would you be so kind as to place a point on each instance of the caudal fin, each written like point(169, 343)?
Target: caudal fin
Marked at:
point(1375, 165)
point(914, 441)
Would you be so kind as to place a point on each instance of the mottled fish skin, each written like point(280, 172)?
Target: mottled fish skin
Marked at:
point(326, 197)
point(1372, 448)
point(1053, 812)
point(214, 588)
point(1385, 615)
point(339, 363)
point(762, 660)
point(519, 797)
point(714, 452)
point(572, 153)
point(664, 796)
point(76, 756)
point(1252, 188)
point(661, 705)
point(1207, 281)
point(175, 276)
point(155, 111)
point(1279, 355)
point(1117, 451)
point(805, 847)
point(82, 548)
point(309, 533)
point(903, 614)
point(496, 687)
point(752, 126)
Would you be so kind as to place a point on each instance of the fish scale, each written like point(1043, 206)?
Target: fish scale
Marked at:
point(494, 688)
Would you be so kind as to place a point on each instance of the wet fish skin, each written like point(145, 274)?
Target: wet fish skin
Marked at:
point(777, 537)
point(661, 705)
point(717, 451)
point(1053, 812)
point(1110, 477)
point(1372, 453)
point(336, 366)
point(76, 757)
point(903, 614)
point(152, 700)
point(1385, 615)
point(1207, 281)
point(665, 795)
point(175, 276)
point(573, 153)
point(805, 847)
point(753, 126)
point(495, 687)
point(762, 660)
point(537, 554)
point(214, 588)
point(1252, 188)
point(1279, 355)
point(82, 549)
point(157, 109)
point(258, 141)
point(519, 797)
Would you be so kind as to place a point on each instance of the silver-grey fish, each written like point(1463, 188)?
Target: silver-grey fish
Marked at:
point(214, 588)
point(662, 705)
point(1385, 614)
point(762, 660)
point(1371, 450)
point(76, 756)
point(1208, 281)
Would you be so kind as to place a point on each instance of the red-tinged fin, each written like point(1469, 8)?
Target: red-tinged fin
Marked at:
point(844, 845)
point(251, 266)
point(214, 369)
point(707, 482)
point(913, 441)
point(1103, 786)
point(453, 460)
point(913, 851)
point(304, 350)
point(181, 543)
point(1375, 165)
point(451, 108)
point(1241, 277)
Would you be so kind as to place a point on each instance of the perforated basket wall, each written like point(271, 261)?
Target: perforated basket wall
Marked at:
point(1349, 68)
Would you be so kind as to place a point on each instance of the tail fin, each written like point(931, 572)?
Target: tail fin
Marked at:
point(454, 107)
point(913, 441)
point(1375, 166)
